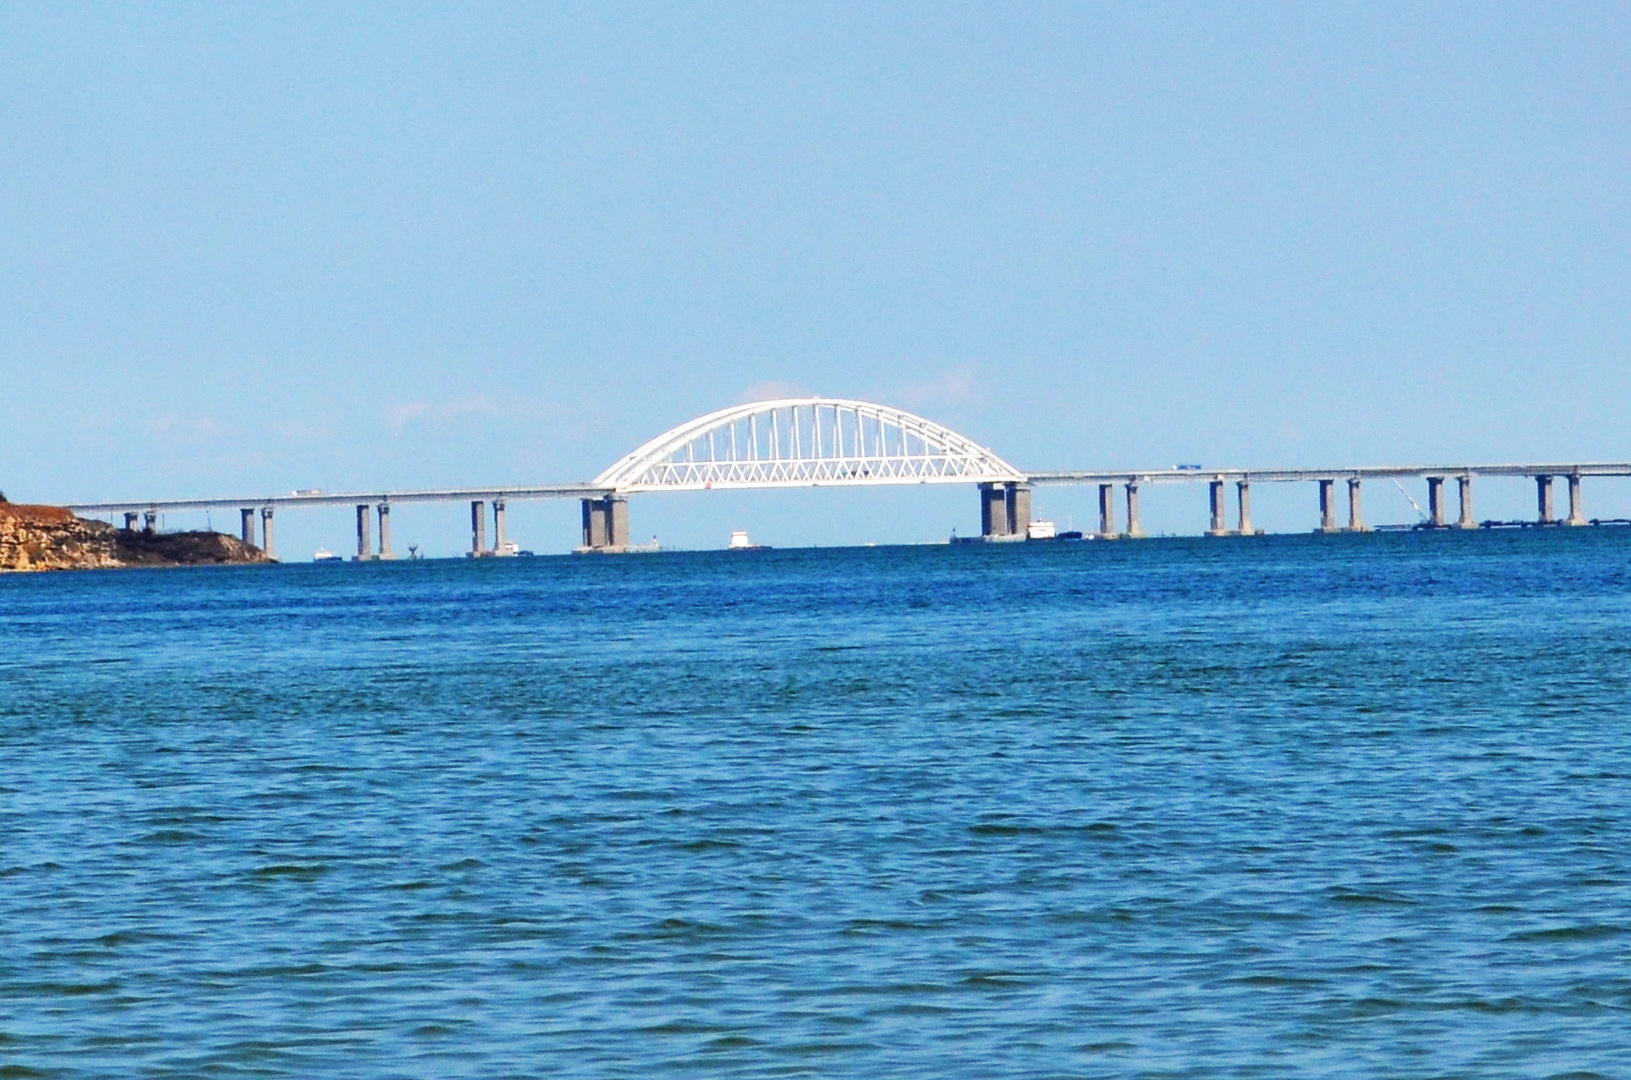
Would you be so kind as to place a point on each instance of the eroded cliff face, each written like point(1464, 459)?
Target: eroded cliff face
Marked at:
point(51, 538)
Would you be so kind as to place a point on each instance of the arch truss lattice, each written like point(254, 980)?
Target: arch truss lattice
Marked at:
point(805, 442)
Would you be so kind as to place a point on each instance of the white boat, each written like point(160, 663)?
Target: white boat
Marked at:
point(1040, 530)
point(325, 555)
point(510, 548)
point(740, 542)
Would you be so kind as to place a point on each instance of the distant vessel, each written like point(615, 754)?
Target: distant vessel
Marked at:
point(509, 547)
point(1036, 530)
point(740, 542)
point(325, 555)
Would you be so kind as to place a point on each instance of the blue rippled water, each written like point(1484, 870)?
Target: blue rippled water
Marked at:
point(1294, 806)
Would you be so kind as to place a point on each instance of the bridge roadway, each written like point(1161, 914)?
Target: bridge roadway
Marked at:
point(379, 501)
point(844, 442)
point(1380, 472)
point(349, 498)
point(1005, 506)
point(1435, 475)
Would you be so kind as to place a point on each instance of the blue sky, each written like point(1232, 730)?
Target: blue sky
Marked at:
point(250, 248)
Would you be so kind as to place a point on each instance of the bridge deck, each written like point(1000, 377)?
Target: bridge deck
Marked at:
point(1146, 476)
point(348, 498)
point(1061, 476)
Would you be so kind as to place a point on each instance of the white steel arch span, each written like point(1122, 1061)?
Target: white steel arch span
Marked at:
point(805, 442)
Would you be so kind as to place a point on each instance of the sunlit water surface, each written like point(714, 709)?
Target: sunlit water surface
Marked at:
point(1285, 807)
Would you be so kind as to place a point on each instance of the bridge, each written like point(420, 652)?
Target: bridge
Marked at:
point(837, 442)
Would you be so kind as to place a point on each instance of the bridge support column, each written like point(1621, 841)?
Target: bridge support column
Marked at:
point(1435, 501)
point(1107, 511)
point(1543, 500)
point(594, 525)
point(364, 545)
point(605, 524)
point(1018, 499)
point(130, 521)
point(384, 511)
point(1576, 516)
point(498, 527)
point(993, 511)
point(1134, 529)
point(1328, 507)
point(268, 547)
point(246, 525)
point(1217, 528)
point(1243, 505)
point(150, 522)
point(478, 528)
point(1464, 483)
point(1356, 519)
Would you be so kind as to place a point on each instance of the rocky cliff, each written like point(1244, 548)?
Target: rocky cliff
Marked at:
point(51, 538)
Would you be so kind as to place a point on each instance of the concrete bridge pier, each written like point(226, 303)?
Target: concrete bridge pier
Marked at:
point(268, 547)
point(1356, 519)
point(993, 512)
point(1576, 516)
point(478, 528)
point(1134, 529)
point(384, 511)
point(1107, 511)
point(1328, 507)
point(364, 545)
point(246, 525)
point(1218, 528)
point(1543, 500)
point(130, 521)
point(606, 523)
point(150, 522)
point(1435, 501)
point(1005, 511)
point(1019, 509)
point(1243, 507)
point(498, 527)
point(1464, 483)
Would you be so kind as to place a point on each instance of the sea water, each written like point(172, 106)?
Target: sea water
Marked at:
point(1272, 807)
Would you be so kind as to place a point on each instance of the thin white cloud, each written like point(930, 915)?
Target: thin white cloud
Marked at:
point(297, 429)
point(958, 387)
point(181, 428)
point(476, 406)
point(399, 417)
point(770, 391)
